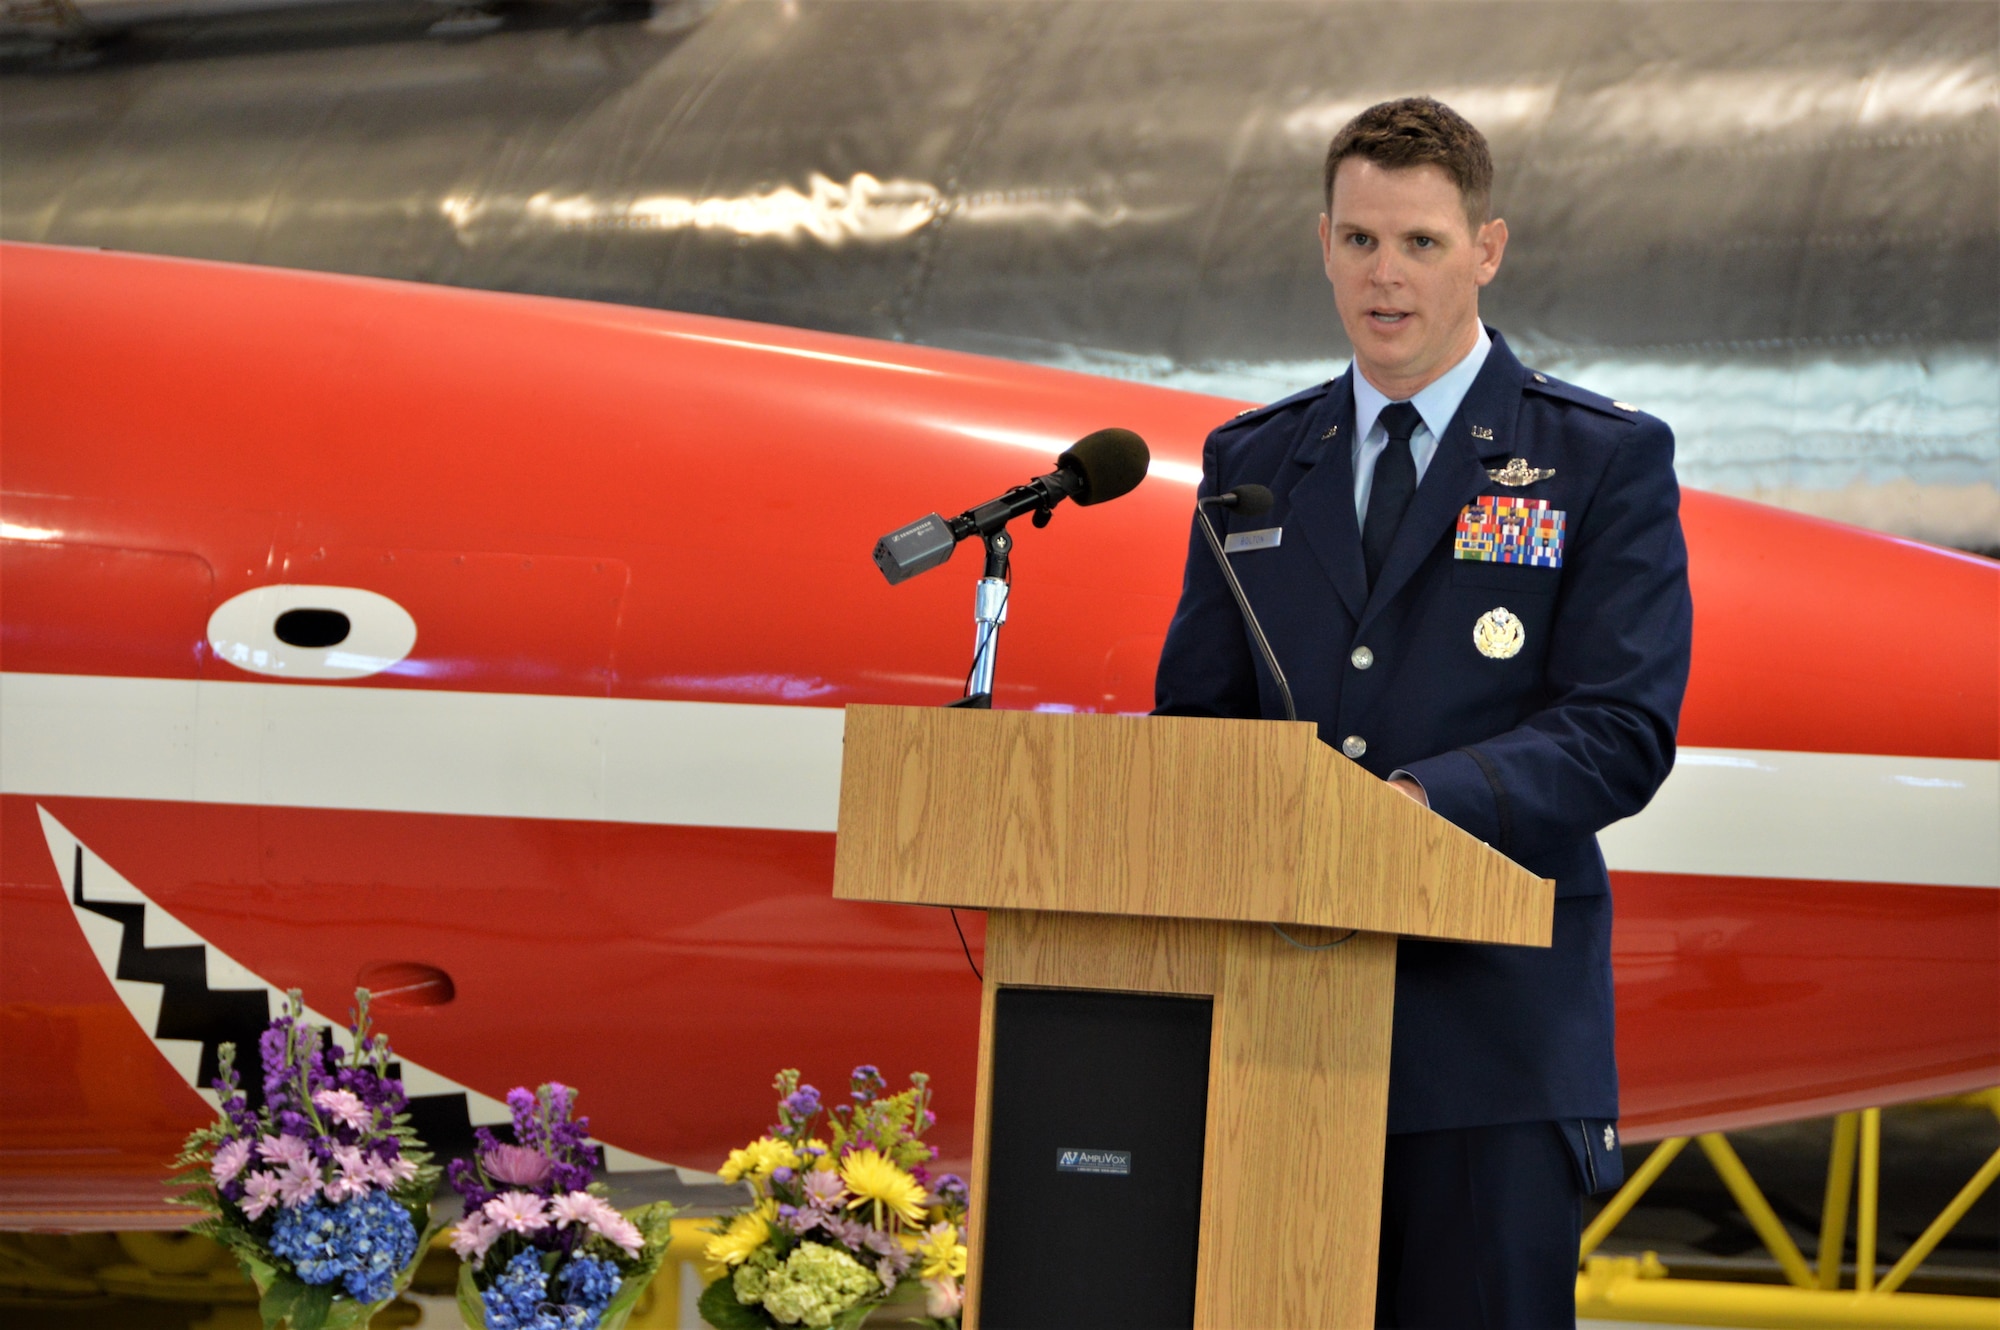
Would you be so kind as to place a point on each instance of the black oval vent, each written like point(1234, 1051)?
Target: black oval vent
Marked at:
point(312, 628)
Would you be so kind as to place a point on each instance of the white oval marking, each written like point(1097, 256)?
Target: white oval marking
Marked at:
point(380, 633)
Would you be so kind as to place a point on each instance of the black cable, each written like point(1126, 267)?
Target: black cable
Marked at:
point(986, 631)
point(966, 946)
point(1307, 946)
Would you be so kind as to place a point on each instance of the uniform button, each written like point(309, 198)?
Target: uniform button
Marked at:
point(1362, 658)
point(1354, 746)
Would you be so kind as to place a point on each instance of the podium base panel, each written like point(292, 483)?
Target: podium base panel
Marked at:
point(1297, 1105)
point(1099, 1118)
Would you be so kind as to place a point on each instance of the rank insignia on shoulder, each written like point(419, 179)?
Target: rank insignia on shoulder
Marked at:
point(1504, 529)
point(1517, 472)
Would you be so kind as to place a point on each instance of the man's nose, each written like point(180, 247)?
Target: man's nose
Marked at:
point(1386, 271)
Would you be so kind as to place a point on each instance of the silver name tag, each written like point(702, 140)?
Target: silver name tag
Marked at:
point(1267, 539)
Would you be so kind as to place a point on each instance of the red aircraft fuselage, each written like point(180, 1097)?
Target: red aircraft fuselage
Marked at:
point(565, 792)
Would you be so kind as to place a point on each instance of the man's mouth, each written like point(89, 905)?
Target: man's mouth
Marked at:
point(1388, 317)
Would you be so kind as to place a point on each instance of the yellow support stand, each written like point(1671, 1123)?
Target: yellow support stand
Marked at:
point(1871, 1195)
point(1833, 1213)
point(1755, 1208)
point(1638, 1289)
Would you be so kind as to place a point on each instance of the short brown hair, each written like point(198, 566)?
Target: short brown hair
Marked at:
point(1419, 131)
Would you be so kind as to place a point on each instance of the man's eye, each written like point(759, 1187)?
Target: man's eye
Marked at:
point(1359, 241)
point(1421, 242)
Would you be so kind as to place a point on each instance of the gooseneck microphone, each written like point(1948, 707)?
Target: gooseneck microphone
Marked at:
point(1250, 501)
point(1095, 469)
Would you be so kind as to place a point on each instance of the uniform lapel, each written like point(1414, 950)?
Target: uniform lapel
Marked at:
point(1323, 500)
point(1456, 475)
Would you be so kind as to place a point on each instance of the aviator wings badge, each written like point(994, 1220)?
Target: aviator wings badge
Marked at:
point(1517, 472)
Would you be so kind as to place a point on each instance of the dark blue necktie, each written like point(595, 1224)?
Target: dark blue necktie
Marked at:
point(1395, 481)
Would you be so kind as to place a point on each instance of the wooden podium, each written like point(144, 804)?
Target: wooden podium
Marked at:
point(1150, 855)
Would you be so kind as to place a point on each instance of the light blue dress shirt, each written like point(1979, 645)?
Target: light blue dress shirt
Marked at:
point(1437, 404)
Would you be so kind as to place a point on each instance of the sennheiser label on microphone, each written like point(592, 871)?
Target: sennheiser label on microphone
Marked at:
point(1267, 539)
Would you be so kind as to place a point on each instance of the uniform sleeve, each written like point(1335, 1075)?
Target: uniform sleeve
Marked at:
point(1615, 673)
point(1205, 667)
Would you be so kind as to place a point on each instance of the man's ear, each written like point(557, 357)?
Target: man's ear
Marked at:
point(1491, 241)
point(1326, 244)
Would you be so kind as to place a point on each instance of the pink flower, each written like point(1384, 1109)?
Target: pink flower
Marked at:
point(474, 1235)
point(517, 1165)
point(283, 1150)
point(229, 1160)
point(620, 1230)
point(260, 1193)
point(943, 1297)
point(825, 1189)
point(299, 1182)
point(357, 1173)
point(579, 1207)
point(400, 1170)
point(346, 1108)
point(516, 1211)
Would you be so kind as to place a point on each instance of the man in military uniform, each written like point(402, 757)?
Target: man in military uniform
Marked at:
point(1474, 578)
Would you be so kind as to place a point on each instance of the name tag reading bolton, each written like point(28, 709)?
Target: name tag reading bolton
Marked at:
point(1117, 1163)
point(1267, 539)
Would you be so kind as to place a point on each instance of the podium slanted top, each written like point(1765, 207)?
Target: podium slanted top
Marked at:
point(1161, 816)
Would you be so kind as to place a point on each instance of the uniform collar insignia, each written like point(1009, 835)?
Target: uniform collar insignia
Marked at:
point(1517, 472)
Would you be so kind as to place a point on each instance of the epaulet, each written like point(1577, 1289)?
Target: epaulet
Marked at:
point(1537, 382)
point(1251, 415)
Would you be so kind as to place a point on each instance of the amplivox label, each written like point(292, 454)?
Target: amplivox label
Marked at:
point(1115, 1162)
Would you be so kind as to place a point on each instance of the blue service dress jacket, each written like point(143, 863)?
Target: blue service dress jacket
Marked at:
point(1533, 751)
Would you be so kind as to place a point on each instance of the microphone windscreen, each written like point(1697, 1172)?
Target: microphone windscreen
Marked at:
point(1111, 462)
point(1252, 501)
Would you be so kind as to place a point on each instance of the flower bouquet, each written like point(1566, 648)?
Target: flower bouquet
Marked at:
point(842, 1226)
point(541, 1247)
point(323, 1193)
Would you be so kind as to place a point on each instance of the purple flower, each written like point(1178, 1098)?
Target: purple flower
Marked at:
point(951, 1190)
point(803, 1102)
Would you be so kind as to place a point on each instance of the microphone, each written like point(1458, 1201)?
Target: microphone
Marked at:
point(1251, 501)
point(1097, 468)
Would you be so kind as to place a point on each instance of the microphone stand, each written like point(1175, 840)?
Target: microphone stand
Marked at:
point(989, 611)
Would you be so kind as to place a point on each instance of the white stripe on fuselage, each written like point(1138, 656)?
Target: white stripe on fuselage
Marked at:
point(1843, 817)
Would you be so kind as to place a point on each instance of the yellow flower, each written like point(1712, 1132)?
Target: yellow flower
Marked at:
point(820, 1156)
point(881, 1182)
point(745, 1234)
point(757, 1159)
point(943, 1254)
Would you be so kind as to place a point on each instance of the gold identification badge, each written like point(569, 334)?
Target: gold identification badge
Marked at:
point(1498, 634)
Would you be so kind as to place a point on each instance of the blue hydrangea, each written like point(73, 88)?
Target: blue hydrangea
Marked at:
point(519, 1296)
point(515, 1300)
point(361, 1244)
point(590, 1283)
